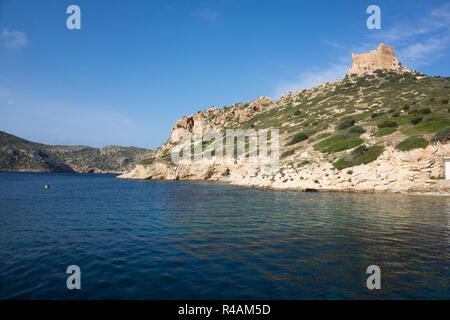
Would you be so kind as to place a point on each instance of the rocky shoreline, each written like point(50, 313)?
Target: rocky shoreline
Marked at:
point(418, 171)
point(93, 171)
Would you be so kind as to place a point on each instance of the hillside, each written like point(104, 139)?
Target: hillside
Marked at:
point(339, 135)
point(17, 154)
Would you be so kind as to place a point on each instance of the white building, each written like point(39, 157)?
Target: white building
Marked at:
point(447, 166)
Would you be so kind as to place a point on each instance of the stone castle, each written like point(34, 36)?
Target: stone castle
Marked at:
point(381, 58)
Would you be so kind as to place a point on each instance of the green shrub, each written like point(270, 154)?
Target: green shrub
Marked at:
point(425, 110)
point(323, 135)
point(345, 145)
point(297, 138)
point(346, 123)
point(416, 119)
point(297, 113)
point(303, 163)
point(147, 162)
point(412, 143)
point(356, 153)
point(357, 129)
point(338, 143)
point(387, 123)
point(361, 155)
point(385, 131)
point(287, 153)
point(444, 101)
point(429, 126)
point(405, 107)
point(395, 115)
point(443, 135)
point(374, 115)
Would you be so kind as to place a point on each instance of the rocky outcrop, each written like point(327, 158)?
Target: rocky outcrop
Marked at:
point(412, 171)
point(253, 107)
point(213, 117)
point(381, 58)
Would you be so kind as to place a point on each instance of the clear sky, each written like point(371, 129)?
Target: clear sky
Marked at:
point(135, 67)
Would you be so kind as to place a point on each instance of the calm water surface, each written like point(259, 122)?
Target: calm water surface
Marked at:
point(189, 240)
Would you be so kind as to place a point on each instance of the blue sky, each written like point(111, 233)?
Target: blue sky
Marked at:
point(135, 67)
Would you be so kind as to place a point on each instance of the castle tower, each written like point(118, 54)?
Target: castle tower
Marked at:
point(381, 58)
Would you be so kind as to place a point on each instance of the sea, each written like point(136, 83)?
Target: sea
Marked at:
point(205, 240)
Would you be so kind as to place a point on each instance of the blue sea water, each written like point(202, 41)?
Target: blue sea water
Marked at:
point(193, 240)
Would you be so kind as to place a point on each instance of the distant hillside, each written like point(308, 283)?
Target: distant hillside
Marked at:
point(17, 154)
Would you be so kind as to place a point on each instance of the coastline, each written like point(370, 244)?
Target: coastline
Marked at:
point(418, 171)
point(300, 190)
point(364, 191)
point(77, 172)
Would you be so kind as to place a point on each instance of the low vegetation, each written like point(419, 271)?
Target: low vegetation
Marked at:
point(361, 155)
point(416, 119)
point(385, 131)
point(356, 129)
point(338, 142)
point(287, 153)
point(426, 127)
point(297, 138)
point(387, 124)
point(412, 143)
point(346, 123)
point(443, 135)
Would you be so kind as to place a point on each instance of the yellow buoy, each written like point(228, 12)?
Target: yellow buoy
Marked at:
point(47, 186)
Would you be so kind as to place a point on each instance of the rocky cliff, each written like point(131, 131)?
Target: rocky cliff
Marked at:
point(214, 118)
point(381, 128)
point(18, 154)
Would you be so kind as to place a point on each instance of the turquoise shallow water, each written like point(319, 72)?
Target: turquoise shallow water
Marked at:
point(191, 240)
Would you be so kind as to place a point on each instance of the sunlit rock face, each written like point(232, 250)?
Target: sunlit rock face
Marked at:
point(381, 58)
point(213, 118)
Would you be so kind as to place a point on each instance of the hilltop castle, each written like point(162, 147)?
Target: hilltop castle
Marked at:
point(381, 58)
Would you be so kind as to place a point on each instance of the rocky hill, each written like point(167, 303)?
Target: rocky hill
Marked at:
point(382, 127)
point(18, 154)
